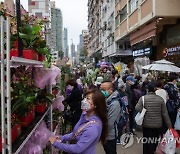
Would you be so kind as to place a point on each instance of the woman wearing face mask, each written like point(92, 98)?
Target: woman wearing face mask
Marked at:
point(74, 101)
point(91, 128)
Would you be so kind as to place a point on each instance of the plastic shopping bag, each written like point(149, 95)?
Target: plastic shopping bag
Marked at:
point(140, 115)
point(168, 143)
point(177, 123)
point(177, 137)
point(159, 149)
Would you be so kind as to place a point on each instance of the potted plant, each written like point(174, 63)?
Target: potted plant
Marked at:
point(32, 38)
point(29, 35)
point(23, 95)
point(42, 100)
point(55, 89)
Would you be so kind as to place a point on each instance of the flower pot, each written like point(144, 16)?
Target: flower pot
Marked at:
point(32, 114)
point(27, 119)
point(16, 44)
point(41, 57)
point(15, 132)
point(55, 92)
point(28, 54)
point(41, 108)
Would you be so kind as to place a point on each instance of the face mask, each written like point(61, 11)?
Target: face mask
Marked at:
point(105, 93)
point(132, 82)
point(85, 105)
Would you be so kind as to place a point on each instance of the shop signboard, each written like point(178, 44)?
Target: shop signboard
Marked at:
point(171, 51)
point(142, 52)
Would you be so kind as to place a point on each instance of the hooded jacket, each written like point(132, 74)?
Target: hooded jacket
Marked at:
point(113, 108)
point(86, 140)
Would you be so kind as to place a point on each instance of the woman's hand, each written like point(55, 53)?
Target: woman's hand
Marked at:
point(54, 139)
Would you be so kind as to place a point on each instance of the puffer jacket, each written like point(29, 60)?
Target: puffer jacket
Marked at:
point(156, 111)
point(113, 108)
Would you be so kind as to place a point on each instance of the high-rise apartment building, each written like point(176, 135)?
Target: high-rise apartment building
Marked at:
point(10, 6)
point(41, 9)
point(65, 40)
point(80, 42)
point(149, 27)
point(108, 28)
point(73, 51)
point(94, 27)
point(85, 37)
point(123, 30)
point(56, 28)
point(83, 44)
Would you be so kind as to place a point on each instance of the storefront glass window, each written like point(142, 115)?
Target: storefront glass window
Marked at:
point(173, 35)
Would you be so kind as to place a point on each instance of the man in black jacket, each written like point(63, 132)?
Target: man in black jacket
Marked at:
point(130, 81)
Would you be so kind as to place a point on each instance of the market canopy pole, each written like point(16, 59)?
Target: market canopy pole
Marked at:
point(18, 15)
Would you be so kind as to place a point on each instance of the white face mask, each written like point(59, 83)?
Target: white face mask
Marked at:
point(132, 82)
point(85, 105)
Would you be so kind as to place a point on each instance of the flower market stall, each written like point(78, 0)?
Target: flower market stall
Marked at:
point(26, 95)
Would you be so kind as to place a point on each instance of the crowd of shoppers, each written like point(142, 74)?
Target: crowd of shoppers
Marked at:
point(109, 98)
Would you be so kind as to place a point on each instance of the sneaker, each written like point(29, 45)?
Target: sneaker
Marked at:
point(118, 142)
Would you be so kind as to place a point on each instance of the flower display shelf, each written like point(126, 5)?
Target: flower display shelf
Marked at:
point(26, 133)
point(19, 60)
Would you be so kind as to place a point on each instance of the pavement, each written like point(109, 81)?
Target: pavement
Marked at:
point(136, 148)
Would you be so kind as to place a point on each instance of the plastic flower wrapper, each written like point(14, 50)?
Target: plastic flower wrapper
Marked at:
point(57, 104)
point(41, 136)
point(26, 147)
point(45, 77)
point(34, 149)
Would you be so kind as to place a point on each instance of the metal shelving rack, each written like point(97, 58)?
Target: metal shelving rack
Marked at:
point(6, 64)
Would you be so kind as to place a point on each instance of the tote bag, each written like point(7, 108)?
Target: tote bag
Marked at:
point(140, 115)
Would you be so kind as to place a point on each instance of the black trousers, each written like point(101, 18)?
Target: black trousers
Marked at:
point(131, 120)
point(149, 147)
point(110, 147)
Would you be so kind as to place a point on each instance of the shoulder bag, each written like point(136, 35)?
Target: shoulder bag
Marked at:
point(140, 115)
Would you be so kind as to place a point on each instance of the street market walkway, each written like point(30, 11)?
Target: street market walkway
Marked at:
point(136, 148)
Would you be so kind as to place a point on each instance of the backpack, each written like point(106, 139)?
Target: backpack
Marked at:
point(137, 94)
point(124, 113)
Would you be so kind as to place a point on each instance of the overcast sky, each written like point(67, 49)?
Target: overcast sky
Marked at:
point(74, 16)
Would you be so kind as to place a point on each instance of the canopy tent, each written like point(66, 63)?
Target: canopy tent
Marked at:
point(162, 65)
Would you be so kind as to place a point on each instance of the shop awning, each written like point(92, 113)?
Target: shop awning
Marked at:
point(143, 33)
point(122, 53)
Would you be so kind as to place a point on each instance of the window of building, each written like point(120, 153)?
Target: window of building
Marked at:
point(133, 5)
point(123, 14)
point(116, 1)
point(33, 3)
point(38, 14)
point(117, 21)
